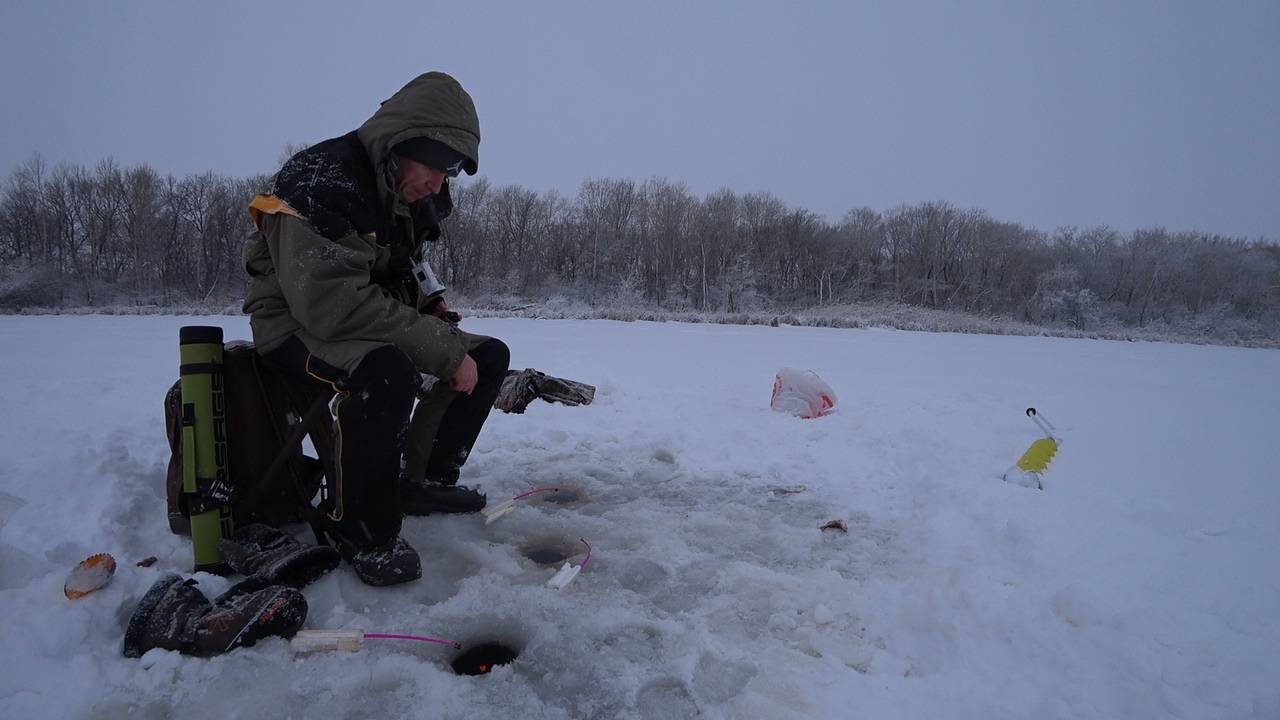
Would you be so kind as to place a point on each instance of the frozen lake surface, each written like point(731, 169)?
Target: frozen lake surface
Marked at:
point(1142, 582)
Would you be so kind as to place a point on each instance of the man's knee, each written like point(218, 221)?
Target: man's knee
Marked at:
point(386, 377)
point(492, 357)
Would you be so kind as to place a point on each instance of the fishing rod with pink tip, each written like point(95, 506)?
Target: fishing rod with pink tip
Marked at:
point(493, 512)
point(308, 641)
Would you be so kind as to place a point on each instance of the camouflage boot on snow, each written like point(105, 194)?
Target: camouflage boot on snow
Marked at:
point(276, 557)
point(174, 615)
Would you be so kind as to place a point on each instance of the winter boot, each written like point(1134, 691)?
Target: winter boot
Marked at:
point(276, 557)
point(442, 494)
point(174, 615)
point(376, 562)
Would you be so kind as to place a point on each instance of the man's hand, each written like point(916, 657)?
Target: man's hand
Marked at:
point(464, 381)
point(440, 309)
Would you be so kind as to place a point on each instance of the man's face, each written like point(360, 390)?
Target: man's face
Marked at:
point(417, 181)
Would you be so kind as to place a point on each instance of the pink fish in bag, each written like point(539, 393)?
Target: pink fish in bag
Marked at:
point(802, 393)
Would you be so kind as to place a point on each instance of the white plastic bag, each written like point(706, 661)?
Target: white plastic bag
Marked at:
point(802, 393)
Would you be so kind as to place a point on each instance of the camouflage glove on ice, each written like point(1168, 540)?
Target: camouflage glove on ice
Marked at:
point(521, 387)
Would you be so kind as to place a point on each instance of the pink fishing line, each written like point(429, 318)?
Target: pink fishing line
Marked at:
point(389, 636)
point(524, 495)
point(587, 559)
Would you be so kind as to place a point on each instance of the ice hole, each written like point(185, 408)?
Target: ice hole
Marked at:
point(563, 496)
point(548, 553)
point(481, 658)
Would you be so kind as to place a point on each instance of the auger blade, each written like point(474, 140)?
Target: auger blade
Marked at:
point(1037, 457)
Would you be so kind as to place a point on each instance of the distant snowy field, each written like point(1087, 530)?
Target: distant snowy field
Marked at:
point(1143, 582)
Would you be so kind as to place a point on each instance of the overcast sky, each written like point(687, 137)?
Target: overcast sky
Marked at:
point(1130, 114)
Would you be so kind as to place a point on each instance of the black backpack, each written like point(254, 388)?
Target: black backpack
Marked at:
point(268, 416)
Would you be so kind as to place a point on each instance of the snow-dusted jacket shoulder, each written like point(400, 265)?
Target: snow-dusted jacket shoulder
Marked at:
point(329, 259)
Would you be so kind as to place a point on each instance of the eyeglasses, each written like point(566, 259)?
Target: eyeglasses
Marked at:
point(454, 169)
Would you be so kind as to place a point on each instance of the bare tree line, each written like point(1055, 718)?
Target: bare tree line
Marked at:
point(73, 236)
point(654, 243)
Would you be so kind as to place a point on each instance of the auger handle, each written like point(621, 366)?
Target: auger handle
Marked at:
point(1042, 422)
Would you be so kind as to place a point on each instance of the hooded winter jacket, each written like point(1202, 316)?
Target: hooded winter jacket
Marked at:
point(330, 259)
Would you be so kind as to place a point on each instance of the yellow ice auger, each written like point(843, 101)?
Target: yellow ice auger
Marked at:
point(1035, 460)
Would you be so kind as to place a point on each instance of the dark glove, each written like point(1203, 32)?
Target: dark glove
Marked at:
point(276, 557)
point(438, 307)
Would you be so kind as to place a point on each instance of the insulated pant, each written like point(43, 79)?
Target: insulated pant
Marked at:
point(373, 429)
point(446, 424)
point(372, 414)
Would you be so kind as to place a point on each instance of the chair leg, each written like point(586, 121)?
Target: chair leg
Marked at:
point(292, 442)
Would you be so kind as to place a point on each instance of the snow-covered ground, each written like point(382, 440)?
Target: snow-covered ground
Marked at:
point(1143, 582)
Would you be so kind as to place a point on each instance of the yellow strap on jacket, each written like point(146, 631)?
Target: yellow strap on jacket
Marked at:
point(269, 205)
